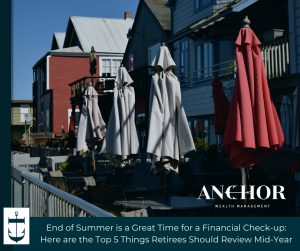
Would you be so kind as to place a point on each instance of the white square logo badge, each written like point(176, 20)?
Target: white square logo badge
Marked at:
point(16, 226)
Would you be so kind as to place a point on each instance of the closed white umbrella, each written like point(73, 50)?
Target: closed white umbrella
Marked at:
point(296, 128)
point(91, 125)
point(121, 135)
point(169, 135)
point(287, 119)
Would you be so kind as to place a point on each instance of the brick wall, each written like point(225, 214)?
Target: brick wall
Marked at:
point(63, 71)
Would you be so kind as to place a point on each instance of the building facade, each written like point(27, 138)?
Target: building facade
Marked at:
point(294, 35)
point(203, 35)
point(68, 61)
point(21, 118)
point(152, 25)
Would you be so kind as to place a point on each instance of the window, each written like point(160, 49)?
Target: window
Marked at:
point(152, 52)
point(203, 128)
point(204, 60)
point(115, 66)
point(110, 66)
point(131, 63)
point(184, 58)
point(105, 66)
point(24, 109)
point(47, 120)
point(200, 4)
point(77, 118)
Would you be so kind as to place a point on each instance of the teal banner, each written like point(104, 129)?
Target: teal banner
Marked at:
point(163, 233)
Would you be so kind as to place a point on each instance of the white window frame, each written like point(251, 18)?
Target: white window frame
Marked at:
point(24, 109)
point(111, 60)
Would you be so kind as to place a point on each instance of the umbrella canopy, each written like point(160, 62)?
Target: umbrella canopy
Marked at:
point(287, 119)
point(169, 134)
point(121, 135)
point(296, 127)
point(91, 125)
point(221, 105)
point(72, 125)
point(253, 128)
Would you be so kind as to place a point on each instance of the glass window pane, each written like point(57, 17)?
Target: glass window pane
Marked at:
point(210, 58)
point(184, 57)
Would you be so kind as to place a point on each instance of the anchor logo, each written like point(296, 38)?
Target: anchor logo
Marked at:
point(16, 221)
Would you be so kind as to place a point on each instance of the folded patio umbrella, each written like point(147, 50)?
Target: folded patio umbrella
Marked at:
point(221, 105)
point(91, 127)
point(169, 135)
point(71, 133)
point(296, 127)
point(287, 118)
point(121, 135)
point(253, 128)
point(72, 125)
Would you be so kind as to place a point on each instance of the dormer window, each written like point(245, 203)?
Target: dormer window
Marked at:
point(201, 4)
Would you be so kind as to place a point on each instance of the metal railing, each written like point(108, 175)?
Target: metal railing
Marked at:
point(276, 59)
point(45, 200)
point(49, 151)
point(225, 70)
point(101, 84)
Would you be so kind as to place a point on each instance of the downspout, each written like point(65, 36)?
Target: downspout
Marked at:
point(47, 74)
point(50, 108)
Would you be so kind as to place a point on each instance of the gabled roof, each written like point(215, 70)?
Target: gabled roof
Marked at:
point(217, 16)
point(58, 40)
point(107, 35)
point(21, 101)
point(68, 49)
point(161, 12)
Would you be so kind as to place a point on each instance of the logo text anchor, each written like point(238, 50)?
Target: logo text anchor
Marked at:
point(16, 238)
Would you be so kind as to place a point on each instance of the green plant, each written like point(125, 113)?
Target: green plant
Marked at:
point(201, 144)
point(64, 166)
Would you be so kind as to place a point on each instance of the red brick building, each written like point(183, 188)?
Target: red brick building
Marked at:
point(68, 60)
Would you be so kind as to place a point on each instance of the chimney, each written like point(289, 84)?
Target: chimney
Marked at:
point(127, 14)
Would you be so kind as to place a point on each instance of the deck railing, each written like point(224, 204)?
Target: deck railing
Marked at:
point(225, 70)
point(45, 200)
point(276, 59)
point(101, 84)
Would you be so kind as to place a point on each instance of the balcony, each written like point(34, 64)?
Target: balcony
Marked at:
point(225, 70)
point(276, 59)
point(103, 85)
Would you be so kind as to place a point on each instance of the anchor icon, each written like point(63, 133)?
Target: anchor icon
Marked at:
point(17, 220)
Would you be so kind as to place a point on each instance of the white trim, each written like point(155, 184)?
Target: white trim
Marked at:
point(69, 115)
point(111, 58)
point(48, 70)
point(243, 5)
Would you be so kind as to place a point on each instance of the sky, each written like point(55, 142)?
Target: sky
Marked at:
point(33, 25)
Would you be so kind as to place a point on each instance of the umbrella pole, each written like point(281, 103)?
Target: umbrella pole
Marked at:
point(244, 177)
point(244, 181)
point(93, 161)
